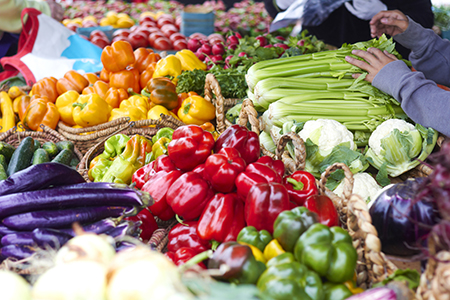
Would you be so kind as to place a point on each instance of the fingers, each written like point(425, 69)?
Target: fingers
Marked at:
point(389, 22)
point(356, 62)
point(391, 56)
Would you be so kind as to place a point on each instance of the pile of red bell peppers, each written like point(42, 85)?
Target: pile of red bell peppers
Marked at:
point(219, 187)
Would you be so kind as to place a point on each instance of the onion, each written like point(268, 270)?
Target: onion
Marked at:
point(14, 287)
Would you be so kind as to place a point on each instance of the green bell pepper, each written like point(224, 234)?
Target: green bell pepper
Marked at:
point(251, 236)
point(286, 257)
point(291, 280)
point(163, 132)
point(291, 224)
point(336, 291)
point(328, 251)
point(101, 165)
point(115, 145)
point(243, 267)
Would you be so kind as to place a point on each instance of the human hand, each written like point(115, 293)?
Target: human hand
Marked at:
point(365, 9)
point(391, 22)
point(375, 60)
point(57, 11)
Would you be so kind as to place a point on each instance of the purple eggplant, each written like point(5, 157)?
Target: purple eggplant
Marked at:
point(95, 185)
point(96, 227)
point(127, 228)
point(22, 238)
point(38, 177)
point(123, 245)
point(5, 230)
point(66, 217)
point(52, 199)
point(47, 237)
point(15, 251)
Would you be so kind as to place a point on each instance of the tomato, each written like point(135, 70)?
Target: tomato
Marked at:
point(169, 29)
point(148, 24)
point(97, 33)
point(73, 26)
point(89, 23)
point(121, 32)
point(155, 35)
point(179, 44)
point(178, 21)
point(146, 18)
point(167, 16)
point(177, 36)
point(162, 43)
point(148, 225)
point(120, 38)
point(163, 21)
point(199, 36)
point(146, 31)
point(102, 42)
point(138, 39)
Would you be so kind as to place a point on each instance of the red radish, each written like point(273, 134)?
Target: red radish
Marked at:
point(199, 36)
point(194, 44)
point(226, 67)
point(279, 37)
point(284, 46)
point(200, 55)
point(301, 43)
point(216, 58)
point(215, 36)
point(227, 59)
point(242, 54)
point(218, 49)
point(232, 47)
point(268, 46)
point(262, 41)
point(238, 35)
point(213, 41)
point(206, 49)
point(232, 40)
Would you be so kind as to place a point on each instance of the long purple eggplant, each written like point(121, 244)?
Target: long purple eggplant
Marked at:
point(19, 252)
point(97, 227)
point(70, 198)
point(95, 185)
point(47, 237)
point(129, 228)
point(66, 217)
point(39, 177)
point(5, 230)
point(22, 238)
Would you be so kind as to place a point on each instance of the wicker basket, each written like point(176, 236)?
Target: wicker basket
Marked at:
point(14, 137)
point(435, 281)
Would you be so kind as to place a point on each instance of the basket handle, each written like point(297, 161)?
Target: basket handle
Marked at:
point(292, 164)
point(248, 113)
point(212, 87)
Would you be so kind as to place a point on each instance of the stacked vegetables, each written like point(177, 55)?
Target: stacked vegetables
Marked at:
point(40, 203)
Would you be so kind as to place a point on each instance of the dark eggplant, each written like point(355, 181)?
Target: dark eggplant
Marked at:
point(129, 228)
point(5, 230)
point(52, 199)
point(95, 185)
point(97, 227)
point(66, 217)
point(124, 245)
point(47, 237)
point(21, 238)
point(39, 177)
point(18, 252)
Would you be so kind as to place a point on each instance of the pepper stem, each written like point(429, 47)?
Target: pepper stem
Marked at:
point(297, 185)
point(131, 92)
point(180, 220)
point(195, 260)
point(81, 105)
point(214, 245)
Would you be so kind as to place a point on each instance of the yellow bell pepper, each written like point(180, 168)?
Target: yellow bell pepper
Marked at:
point(135, 107)
point(20, 127)
point(256, 252)
point(15, 92)
point(168, 66)
point(189, 61)
point(196, 110)
point(6, 107)
point(64, 104)
point(155, 113)
point(273, 249)
point(91, 110)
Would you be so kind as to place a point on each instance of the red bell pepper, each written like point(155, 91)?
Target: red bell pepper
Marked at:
point(255, 173)
point(200, 169)
point(190, 146)
point(275, 164)
point(158, 186)
point(222, 219)
point(148, 225)
point(323, 206)
point(188, 195)
point(264, 203)
point(140, 177)
point(185, 235)
point(241, 139)
point(221, 169)
point(300, 186)
point(164, 163)
point(182, 256)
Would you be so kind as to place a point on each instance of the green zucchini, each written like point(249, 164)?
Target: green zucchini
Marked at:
point(21, 158)
point(40, 156)
point(50, 148)
point(63, 157)
point(3, 161)
point(3, 175)
point(6, 150)
point(65, 145)
point(37, 145)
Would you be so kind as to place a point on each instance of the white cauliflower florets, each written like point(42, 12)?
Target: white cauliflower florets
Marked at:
point(326, 134)
point(384, 129)
point(364, 185)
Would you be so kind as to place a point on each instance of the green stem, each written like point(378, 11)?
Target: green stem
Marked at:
point(81, 105)
point(180, 220)
point(214, 245)
point(195, 260)
point(297, 185)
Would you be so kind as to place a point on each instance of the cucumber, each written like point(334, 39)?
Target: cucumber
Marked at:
point(64, 157)
point(65, 145)
point(3, 175)
point(74, 161)
point(21, 158)
point(40, 156)
point(3, 162)
point(50, 148)
point(37, 145)
point(6, 150)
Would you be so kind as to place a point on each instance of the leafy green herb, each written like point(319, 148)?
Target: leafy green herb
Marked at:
point(412, 277)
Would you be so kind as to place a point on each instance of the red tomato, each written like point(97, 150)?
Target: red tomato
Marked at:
point(138, 39)
point(199, 36)
point(146, 31)
point(102, 42)
point(177, 36)
point(179, 44)
point(167, 16)
point(97, 33)
point(163, 21)
point(148, 24)
point(155, 35)
point(121, 32)
point(162, 43)
point(178, 21)
point(146, 18)
point(120, 38)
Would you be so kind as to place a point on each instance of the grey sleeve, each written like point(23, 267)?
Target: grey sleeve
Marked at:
point(430, 54)
point(421, 99)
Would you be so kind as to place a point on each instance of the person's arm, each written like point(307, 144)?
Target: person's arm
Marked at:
point(10, 11)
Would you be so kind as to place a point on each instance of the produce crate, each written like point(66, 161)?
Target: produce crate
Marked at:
point(14, 137)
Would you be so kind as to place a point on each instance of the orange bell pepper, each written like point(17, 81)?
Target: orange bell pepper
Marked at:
point(46, 87)
point(118, 56)
point(104, 75)
point(100, 88)
point(115, 96)
point(125, 79)
point(144, 57)
point(72, 81)
point(91, 77)
point(147, 75)
point(41, 111)
point(22, 106)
